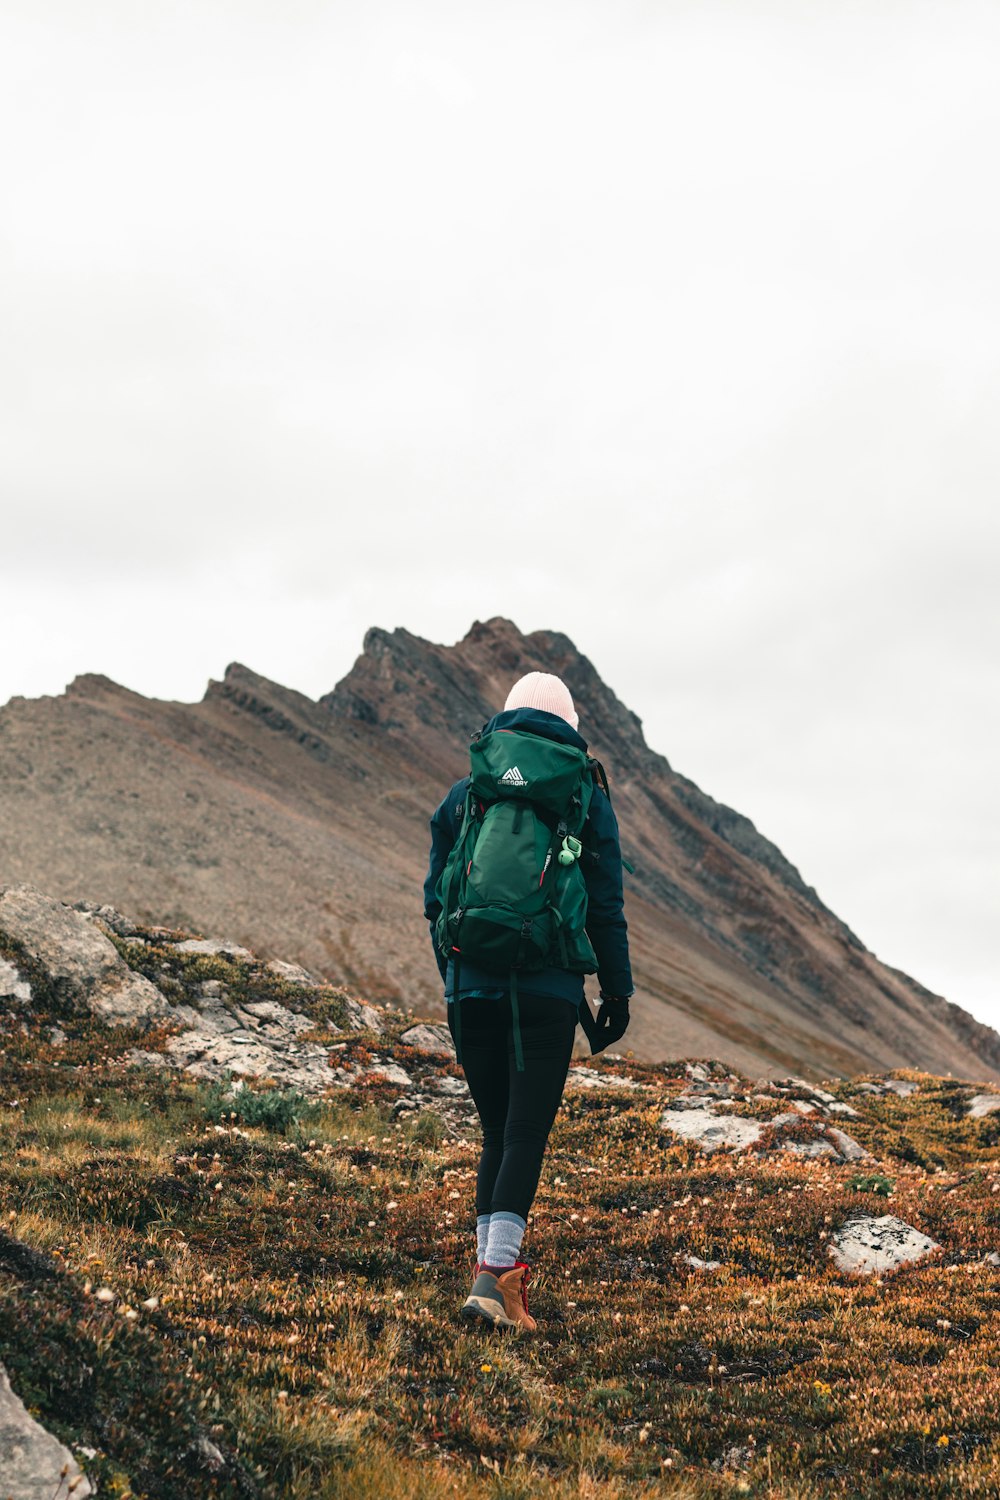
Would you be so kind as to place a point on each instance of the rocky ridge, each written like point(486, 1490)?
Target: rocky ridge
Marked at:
point(300, 828)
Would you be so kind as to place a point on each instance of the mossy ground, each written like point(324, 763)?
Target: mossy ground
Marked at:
point(288, 1291)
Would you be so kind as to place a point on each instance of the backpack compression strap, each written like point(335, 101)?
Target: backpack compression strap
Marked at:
point(514, 1011)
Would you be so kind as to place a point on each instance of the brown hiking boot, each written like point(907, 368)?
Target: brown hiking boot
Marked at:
point(501, 1299)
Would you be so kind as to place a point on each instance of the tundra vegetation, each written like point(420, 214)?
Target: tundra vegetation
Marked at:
point(208, 1291)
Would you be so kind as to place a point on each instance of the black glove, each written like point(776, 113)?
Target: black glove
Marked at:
point(611, 1024)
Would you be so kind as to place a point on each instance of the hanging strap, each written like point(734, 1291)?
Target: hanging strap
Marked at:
point(516, 1018)
point(456, 1002)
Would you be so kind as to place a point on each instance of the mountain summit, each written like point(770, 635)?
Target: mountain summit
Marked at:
point(299, 829)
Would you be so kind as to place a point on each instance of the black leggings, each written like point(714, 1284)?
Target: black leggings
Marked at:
point(516, 1109)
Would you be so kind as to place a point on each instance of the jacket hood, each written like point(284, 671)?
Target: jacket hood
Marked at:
point(536, 721)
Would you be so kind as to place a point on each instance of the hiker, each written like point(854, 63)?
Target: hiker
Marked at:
point(513, 1022)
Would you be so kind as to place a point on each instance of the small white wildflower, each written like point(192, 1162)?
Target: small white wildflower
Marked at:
point(104, 1294)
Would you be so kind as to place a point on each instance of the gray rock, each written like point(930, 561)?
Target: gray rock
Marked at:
point(109, 917)
point(454, 1088)
point(866, 1246)
point(210, 1455)
point(810, 1148)
point(213, 1054)
point(435, 1039)
point(81, 963)
point(847, 1147)
point(212, 948)
point(837, 1108)
point(829, 1142)
point(982, 1104)
point(697, 1264)
point(901, 1086)
point(12, 986)
point(260, 1039)
point(361, 1017)
point(710, 1131)
point(591, 1078)
point(31, 1459)
point(993, 1259)
point(738, 1456)
point(389, 1072)
point(392, 1073)
point(294, 974)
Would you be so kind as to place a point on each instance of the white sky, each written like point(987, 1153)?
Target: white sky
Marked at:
point(674, 326)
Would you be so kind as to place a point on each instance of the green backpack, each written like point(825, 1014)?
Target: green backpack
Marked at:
point(513, 897)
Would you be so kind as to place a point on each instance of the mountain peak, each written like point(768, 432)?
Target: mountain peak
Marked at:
point(411, 686)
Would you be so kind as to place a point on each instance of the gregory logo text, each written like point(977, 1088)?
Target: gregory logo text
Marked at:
point(512, 777)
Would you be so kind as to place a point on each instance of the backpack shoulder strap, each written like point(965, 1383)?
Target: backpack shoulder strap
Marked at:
point(600, 775)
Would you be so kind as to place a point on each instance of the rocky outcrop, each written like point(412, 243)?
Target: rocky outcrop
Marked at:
point(699, 1115)
point(81, 965)
point(33, 1464)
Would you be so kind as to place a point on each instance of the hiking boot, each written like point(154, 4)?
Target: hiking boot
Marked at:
point(501, 1300)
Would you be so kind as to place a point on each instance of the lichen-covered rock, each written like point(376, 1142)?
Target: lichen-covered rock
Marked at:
point(710, 1131)
point(982, 1104)
point(434, 1039)
point(81, 964)
point(866, 1246)
point(33, 1464)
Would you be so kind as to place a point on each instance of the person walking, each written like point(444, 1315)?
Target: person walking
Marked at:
point(514, 1029)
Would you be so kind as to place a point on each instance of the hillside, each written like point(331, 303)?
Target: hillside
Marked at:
point(299, 829)
point(744, 1286)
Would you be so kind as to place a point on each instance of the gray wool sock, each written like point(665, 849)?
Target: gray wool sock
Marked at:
point(482, 1235)
point(504, 1242)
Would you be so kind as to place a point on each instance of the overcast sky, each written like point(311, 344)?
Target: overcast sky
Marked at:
point(673, 326)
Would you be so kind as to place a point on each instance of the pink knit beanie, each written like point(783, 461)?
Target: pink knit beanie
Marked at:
point(542, 690)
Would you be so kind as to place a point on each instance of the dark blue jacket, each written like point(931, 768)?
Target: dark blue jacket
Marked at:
point(602, 872)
